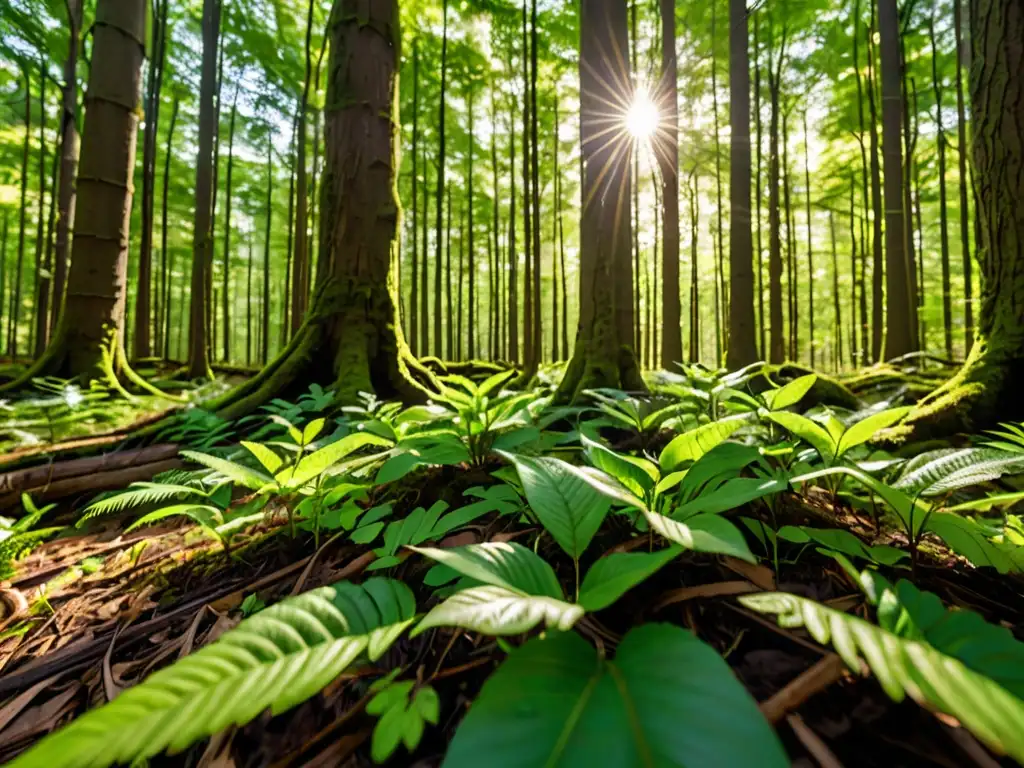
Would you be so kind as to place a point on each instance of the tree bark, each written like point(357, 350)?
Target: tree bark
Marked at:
point(776, 345)
point(351, 338)
point(265, 334)
point(300, 258)
point(226, 262)
point(42, 284)
point(757, 191)
point(694, 292)
point(470, 246)
point(986, 390)
point(168, 271)
point(604, 355)
point(441, 184)
point(513, 257)
point(947, 298)
point(414, 287)
point(742, 348)
point(810, 245)
point(836, 304)
point(961, 127)
point(720, 298)
point(69, 162)
point(286, 319)
point(89, 335)
point(528, 313)
point(667, 155)
point(15, 314)
point(535, 194)
point(877, 265)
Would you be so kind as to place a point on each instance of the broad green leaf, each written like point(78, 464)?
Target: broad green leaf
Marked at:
point(967, 538)
point(790, 394)
point(732, 494)
point(323, 459)
point(205, 516)
point(986, 503)
point(501, 564)
point(494, 382)
point(273, 660)
point(636, 474)
point(250, 478)
point(493, 610)
point(270, 460)
point(950, 471)
point(569, 507)
point(841, 541)
point(613, 575)
point(704, 533)
point(865, 429)
point(809, 431)
point(312, 429)
point(930, 676)
point(667, 699)
point(691, 445)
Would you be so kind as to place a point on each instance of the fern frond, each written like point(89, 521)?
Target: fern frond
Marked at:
point(950, 471)
point(911, 668)
point(137, 495)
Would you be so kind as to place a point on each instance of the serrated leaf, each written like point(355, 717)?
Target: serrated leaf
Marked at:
point(273, 660)
point(613, 575)
point(959, 469)
point(555, 702)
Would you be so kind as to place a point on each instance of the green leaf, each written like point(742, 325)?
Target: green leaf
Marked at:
point(790, 394)
point(569, 507)
point(613, 575)
point(637, 475)
point(841, 541)
point(270, 460)
point(912, 512)
point(494, 610)
point(865, 429)
point(691, 445)
point(959, 469)
point(252, 479)
point(666, 700)
point(501, 564)
point(703, 533)
point(312, 429)
point(986, 503)
point(273, 660)
point(733, 493)
point(928, 675)
point(968, 539)
point(809, 431)
point(323, 459)
point(206, 516)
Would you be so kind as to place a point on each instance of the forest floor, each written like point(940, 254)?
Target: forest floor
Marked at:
point(95, 609)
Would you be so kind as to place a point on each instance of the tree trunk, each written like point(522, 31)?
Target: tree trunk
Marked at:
point(961, 127)
point(668, 165)
point(470, 246)
point(226, 263)
point(694, 292)
point(986, 390)
point(42, 288)
point(776, 345)
point(538, 345)
point(555, 353)
point(3, 269)
point(15, 314)
point(449, 327)
point(742, 348)
point(900, 329)
point(69, 162)
point(265, 333)
point(863, 359)
point(88, 337)
point(351, 338)
point(836, 305)
point(424, 290)
point(248, 306)
point(810, 246)
point(167, 270)
point(947, 298)
point(877, 268)
point(142, 340)
point(791, 276)
point(414, 286)
point(286, 318)
point(300, 259)
point(634, 40)
point(604, 355)
point(202, 243)
point(757, 192)
point(439, 241)
point(513, 257)
point(528, 338)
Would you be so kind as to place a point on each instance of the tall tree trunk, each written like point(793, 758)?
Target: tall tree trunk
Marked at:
point(414, 283)
point(634, 40)
point(496, 293)
point(694, 292)
point(776, 345)
point(757, 191)
point(226, 263)
point(528, 314)
point(248, 305)
point(471, 245)
point(202, 244)
point(167, 270)
point(449, 327)
point(142, 341)
point(668, 165)
point(863, 359)
point(877, 267)
point(810, 240)
point(513, 257)
point(15, 312)
point(742, 348)
point(900, 329)
point(211, 305)
point(837, 310)
point(947, 298)
point(3, 270)
point(961, 128)
point(557, 182)
point(791, 275)
point(89, 335)
point(604, 355)
point(351, 340)
point(424, 288)
point(300, 259)
point(535, 179)
point(986, 390)
point(855, 358)
point(720, 298)
point(69, 161)
point(441, 184)
point(42, 289)
point(286, 318)
point(265, 332)
point(565, 280)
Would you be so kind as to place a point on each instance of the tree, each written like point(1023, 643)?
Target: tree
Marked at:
point(984, 392)
point(742, 349)
point(947, 298)
point(776, 347)
point(667, 153)
point(351, 338)
point(961, 127)
point(604, 355)
point(88, 338)
point(202, 237)
point(300, 258)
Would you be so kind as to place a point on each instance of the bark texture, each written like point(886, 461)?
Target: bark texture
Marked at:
point(667, 152)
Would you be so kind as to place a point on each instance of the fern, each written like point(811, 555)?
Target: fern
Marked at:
point(137, 495)
point(273, 660)
point(950, 471)
point(933, 677)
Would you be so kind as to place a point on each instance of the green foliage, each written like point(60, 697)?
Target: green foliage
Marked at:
point(404, 710)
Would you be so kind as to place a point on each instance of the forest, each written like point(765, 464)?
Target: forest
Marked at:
point(512, 383)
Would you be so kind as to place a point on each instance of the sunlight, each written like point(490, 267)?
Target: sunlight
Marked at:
point(642, 117)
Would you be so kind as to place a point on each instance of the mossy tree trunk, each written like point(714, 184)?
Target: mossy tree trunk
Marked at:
point(351, 339)
point(92, 322)
point(986, 390)
point(604, 355)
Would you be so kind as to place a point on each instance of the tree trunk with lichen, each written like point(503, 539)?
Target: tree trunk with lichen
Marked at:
point(91, 325)
point(984, 392)
point(351, 340)
point(604, 355)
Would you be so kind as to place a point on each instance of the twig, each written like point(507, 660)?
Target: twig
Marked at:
point(811, 681)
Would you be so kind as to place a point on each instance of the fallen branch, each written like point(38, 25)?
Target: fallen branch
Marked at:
point(811, 681)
